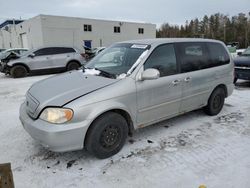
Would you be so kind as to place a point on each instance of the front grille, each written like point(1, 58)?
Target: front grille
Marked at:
point(31, 104)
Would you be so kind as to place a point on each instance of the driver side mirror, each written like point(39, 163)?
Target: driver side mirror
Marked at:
point(150, 74)
point(31, 55)
point(239, 53)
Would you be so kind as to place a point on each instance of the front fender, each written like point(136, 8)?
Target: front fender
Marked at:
point(94, 110)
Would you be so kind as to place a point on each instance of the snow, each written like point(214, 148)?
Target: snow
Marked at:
point(91, 72)
point(186, 151)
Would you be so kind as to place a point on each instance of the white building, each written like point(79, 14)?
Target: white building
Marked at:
point(46, 30)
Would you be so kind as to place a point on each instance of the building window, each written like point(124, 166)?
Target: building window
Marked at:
point(117, 29)
point(87, 27)
point(140, 30)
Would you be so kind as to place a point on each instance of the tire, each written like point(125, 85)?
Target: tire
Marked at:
point(235, 80)
point(107, 135)
point(215, 102)
point(73, 65)
point(18, 71)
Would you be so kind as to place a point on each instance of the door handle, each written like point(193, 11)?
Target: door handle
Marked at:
point(187, 79)
point(176, 82)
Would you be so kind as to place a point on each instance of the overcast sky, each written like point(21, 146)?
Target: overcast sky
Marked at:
point(152, 11)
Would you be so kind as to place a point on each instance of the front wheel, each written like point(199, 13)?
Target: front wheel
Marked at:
point(107, 135)
point(18, 71)
point(215, 102)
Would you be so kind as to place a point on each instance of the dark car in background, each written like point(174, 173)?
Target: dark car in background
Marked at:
point(242, 66)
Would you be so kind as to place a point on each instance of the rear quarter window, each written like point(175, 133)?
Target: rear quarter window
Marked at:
point(63, 50)
point(193, 56)
point(217, 54)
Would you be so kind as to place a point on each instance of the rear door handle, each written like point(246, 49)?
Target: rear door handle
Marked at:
point(176, 82)
point(187, 79)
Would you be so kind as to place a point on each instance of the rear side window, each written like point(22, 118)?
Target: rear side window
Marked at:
point(43, 51)
point(163, 59)
point(217, 55)
point(53, 51)
point(193, 56)
point(63, 50)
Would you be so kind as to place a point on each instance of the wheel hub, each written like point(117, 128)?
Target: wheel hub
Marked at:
point(217, 101)
point(109, 136)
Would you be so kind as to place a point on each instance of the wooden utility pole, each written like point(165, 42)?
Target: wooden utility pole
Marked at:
point(6, 176)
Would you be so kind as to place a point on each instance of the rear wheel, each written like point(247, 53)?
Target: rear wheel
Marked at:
point(18, 71)
point(235, 80)
point(107, 135)
point(215, 102)
point(73, 65)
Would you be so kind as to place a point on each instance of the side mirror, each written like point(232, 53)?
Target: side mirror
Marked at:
point(150, 74)
point(31, 55)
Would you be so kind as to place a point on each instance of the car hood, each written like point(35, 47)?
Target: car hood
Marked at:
point(242, 60)
point(62, 89)
point(18, 59)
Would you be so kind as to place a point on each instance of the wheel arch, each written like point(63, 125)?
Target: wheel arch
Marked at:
point(120, 111)
point(73, 60)
point(224, 87)
point(22, 64)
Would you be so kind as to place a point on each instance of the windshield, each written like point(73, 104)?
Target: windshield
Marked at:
point(246, 52)
point(117, 59)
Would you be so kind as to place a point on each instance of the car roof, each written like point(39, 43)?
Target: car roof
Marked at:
point(158, 41)
point(11, 49)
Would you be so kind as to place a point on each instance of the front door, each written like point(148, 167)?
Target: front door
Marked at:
point(42, 59)
point(160, 98)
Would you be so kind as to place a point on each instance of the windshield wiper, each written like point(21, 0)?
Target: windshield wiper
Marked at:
point(106, 74)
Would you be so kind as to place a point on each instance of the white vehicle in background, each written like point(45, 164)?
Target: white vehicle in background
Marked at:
point(43, 60)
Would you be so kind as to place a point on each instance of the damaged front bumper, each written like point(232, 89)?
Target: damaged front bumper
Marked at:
point(4, 68)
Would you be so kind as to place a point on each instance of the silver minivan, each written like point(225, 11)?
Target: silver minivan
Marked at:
point(44, 60)
point(128, 86)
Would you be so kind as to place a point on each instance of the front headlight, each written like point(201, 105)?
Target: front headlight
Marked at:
point(56, 115)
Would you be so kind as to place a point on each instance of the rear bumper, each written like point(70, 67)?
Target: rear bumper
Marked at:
point(242, 73)
point(58, 138)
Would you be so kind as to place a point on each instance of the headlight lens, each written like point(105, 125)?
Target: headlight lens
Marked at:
point(56, 115)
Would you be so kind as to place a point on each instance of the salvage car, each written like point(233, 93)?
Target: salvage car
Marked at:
point(44, 60)
point(242, 66)
point(152, 80)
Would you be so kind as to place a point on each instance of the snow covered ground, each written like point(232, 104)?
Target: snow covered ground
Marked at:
point(186, 151)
